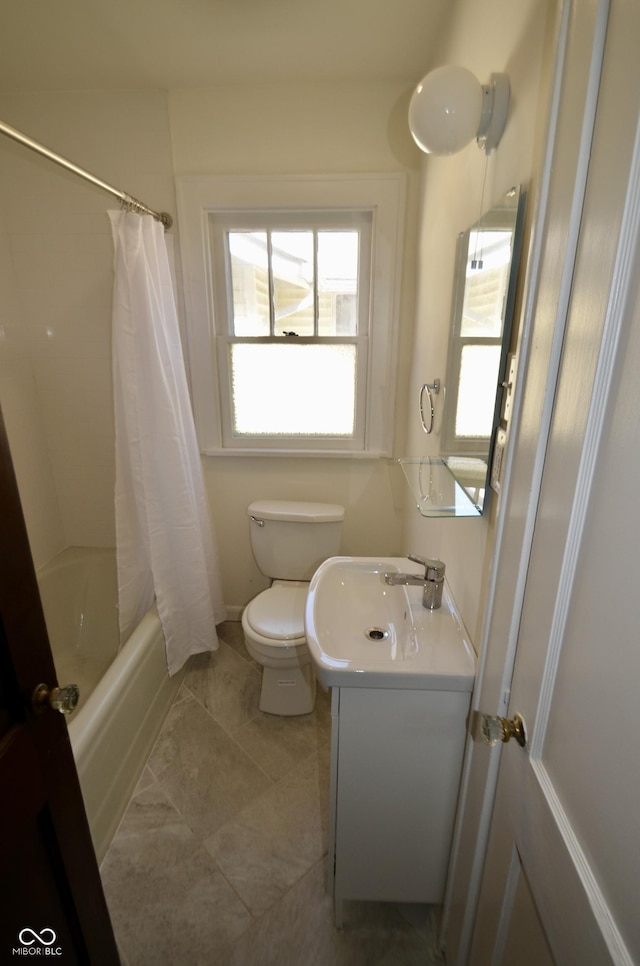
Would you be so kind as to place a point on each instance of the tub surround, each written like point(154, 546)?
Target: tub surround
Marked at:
point(125, 692)
point(78, 594)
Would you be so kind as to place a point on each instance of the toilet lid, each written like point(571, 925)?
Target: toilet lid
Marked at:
point(279, 612)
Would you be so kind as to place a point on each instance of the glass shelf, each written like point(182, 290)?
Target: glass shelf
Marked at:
point(446, 486)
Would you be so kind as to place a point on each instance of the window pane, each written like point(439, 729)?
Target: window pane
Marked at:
point(486, 284)
point(477, 390)
point(293, 390)
point(338, 282)
point(250, 282)
point(292, 261)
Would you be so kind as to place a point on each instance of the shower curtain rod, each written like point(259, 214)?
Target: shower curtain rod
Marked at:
point(129, 203)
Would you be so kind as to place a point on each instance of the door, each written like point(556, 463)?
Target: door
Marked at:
point(51, 897)
point(572, 71)
point(563, 861)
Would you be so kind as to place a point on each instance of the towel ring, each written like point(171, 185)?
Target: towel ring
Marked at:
point(434, 387)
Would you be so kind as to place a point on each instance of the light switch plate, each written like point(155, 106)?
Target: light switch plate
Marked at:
point(496, 462)
point(508, 385)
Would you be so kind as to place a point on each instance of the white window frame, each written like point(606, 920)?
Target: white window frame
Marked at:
point(223, 310)
point(382, 196)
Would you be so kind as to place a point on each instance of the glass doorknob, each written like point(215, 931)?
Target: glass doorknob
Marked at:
point(64, 699)
point(494, 729)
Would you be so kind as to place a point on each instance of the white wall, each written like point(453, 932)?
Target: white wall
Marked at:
point(455, 191)
point(56, 257)
point(23, 419)
point(304, 129)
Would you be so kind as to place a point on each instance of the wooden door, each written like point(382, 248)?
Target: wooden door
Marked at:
point(563, 862)
point(51, 899)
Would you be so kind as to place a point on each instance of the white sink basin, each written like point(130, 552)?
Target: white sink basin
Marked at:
point(364, 633)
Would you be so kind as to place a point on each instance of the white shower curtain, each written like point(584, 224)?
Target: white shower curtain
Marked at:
point(164, 542)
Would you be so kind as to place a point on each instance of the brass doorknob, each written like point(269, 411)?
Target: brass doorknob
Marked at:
point(494, 729)
point(64, 699)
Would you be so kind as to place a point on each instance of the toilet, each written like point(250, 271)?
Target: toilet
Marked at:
point(289, 541)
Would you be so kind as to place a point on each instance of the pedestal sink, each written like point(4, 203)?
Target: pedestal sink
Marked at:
point(363, 633)
point(401, 679)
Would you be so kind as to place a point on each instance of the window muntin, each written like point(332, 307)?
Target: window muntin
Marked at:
point(305, 281)
point(476, 344)
point(381, 198)
point(291, 294)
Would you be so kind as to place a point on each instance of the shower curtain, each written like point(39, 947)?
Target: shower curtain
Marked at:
point(164, 543)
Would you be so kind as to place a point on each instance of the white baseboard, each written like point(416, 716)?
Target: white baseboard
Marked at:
point(234, 612)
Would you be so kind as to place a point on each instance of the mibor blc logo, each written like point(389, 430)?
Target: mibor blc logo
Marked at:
point(32, 943)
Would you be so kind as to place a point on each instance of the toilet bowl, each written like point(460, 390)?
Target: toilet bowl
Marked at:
point(289, 541)
point(273, 625)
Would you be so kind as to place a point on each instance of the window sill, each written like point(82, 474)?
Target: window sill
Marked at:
point(305, 453)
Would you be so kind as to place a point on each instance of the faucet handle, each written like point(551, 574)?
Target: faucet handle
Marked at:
point(433, 569)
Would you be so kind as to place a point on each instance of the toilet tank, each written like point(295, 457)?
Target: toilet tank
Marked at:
point(290, 540)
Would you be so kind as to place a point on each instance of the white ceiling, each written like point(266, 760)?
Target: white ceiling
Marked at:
point(165, 44)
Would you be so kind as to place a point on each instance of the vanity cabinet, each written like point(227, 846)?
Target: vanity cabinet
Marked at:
point(396, 761)
point(401, 676)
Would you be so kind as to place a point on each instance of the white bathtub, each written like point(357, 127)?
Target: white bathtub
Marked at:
point(125, 692)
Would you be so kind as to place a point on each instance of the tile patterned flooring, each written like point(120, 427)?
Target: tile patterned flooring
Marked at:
point(220, 857)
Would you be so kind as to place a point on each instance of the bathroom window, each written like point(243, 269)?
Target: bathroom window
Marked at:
point(299, 359)
point(292, 292)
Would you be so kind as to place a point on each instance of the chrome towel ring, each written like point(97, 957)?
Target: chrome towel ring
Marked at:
point(429, 388)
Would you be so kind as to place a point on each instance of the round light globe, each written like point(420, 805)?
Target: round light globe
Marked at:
point(446, 110)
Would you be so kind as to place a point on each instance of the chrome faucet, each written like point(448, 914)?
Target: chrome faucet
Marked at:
point(431, 582)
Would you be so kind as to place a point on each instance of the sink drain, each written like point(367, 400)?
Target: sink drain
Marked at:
point(376, 633)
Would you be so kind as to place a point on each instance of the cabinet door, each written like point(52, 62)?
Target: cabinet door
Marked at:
point(399, 762)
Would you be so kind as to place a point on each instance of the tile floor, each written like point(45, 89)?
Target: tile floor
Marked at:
point(220, 857)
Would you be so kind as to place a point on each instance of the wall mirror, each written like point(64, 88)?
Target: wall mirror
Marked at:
point(486, 268)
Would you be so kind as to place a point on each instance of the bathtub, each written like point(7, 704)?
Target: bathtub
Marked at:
point(125, 691)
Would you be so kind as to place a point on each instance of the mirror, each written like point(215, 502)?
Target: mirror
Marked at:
point(482, 314)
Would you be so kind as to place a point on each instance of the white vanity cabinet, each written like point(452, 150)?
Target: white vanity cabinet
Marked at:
point(396, 760)
point(401, 676)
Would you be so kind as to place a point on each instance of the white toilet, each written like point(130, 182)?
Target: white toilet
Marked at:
point(289, 541)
